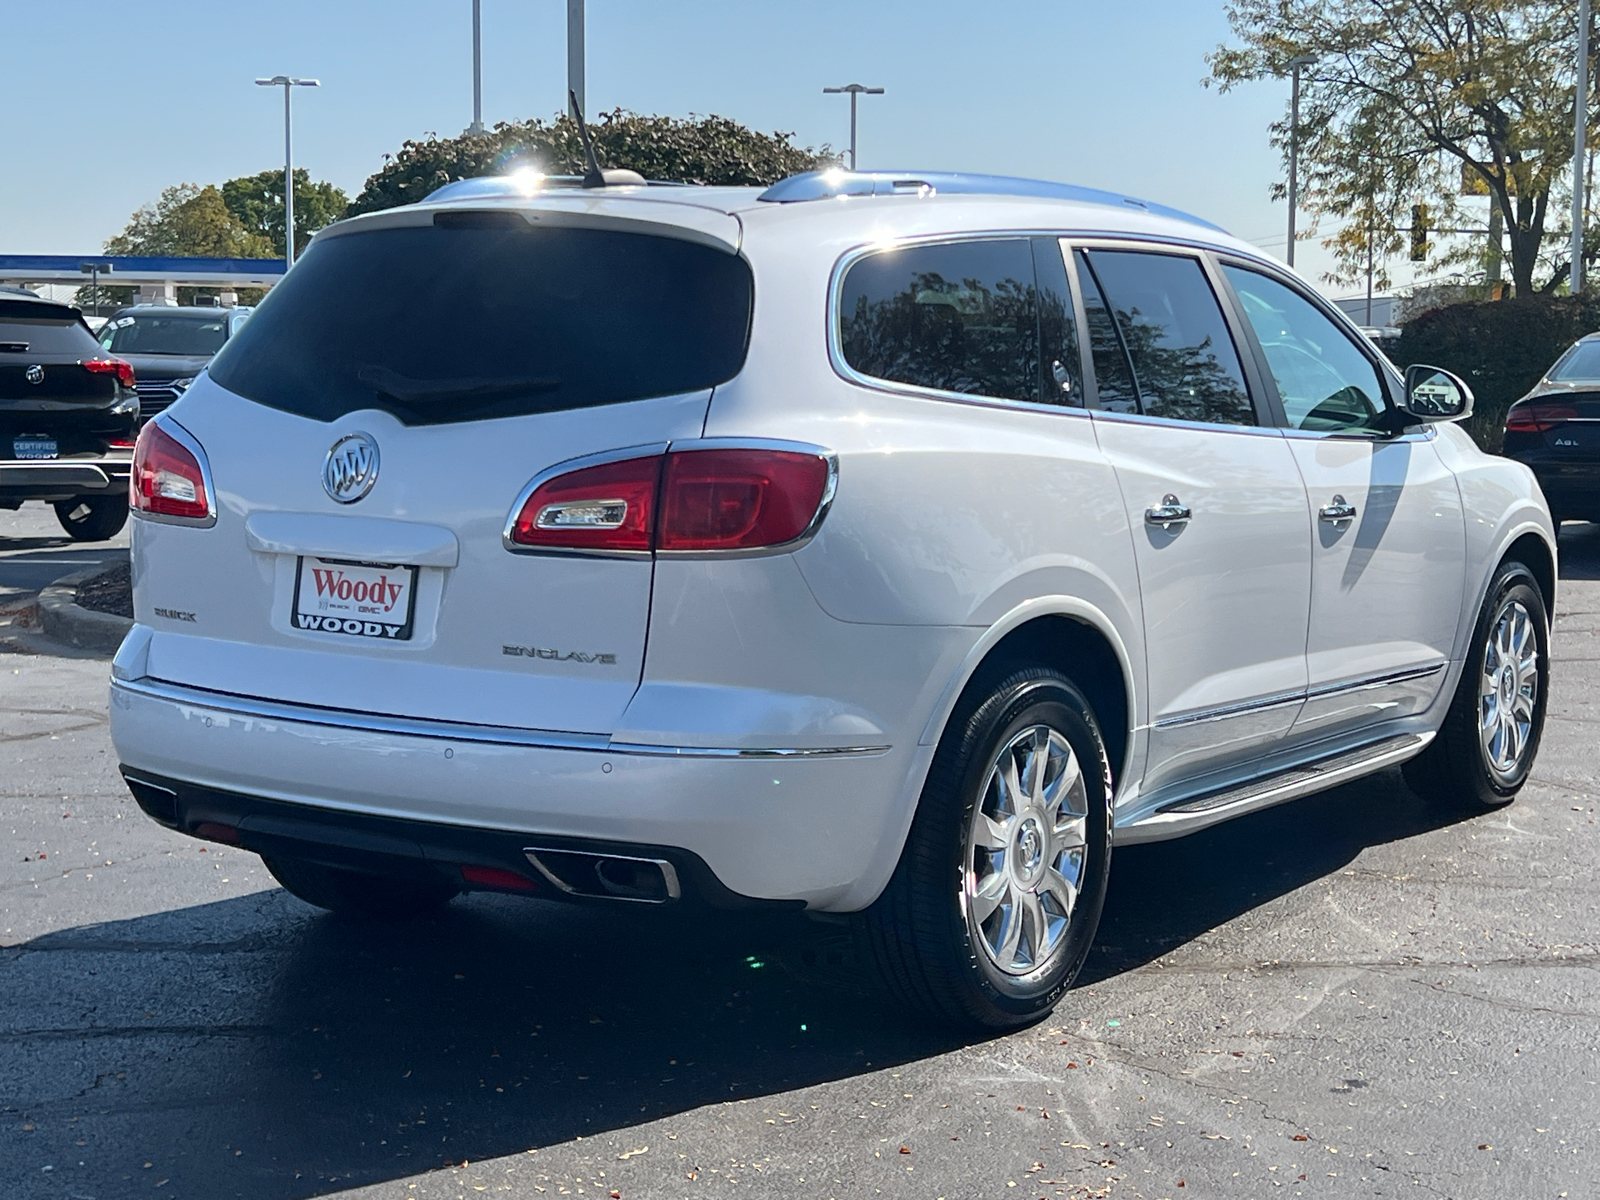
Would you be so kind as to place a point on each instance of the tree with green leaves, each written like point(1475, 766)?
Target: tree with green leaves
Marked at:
point(703, 150)
point(256, 202)
point(1405, 97)
point(189, 220)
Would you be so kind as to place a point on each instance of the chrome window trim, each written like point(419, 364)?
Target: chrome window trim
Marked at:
point(1280, 699)
point(455, 731)
point(188, 441)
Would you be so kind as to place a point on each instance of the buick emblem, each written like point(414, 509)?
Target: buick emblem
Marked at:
point(351, 468)
point(34, 374)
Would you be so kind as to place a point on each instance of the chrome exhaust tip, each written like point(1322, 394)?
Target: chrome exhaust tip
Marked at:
point(607, 876)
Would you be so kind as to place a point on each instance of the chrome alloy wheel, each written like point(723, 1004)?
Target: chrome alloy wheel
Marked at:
point(1025, 851)
point(1509, 690)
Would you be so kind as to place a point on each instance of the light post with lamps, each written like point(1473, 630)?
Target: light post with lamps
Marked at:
point(477, 70)
point(1295, 64)
point(286, 82)
point(854, 90)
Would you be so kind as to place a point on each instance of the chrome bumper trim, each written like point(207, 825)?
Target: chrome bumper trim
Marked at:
point(451, 731)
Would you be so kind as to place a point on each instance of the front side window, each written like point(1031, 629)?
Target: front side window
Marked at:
point(956, 317)
point(1327, 385)
point(1185, 366)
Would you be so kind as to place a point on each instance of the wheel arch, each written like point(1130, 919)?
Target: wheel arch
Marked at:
point(1533, 551)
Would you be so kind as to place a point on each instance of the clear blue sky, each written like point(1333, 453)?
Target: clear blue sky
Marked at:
point(129, 98)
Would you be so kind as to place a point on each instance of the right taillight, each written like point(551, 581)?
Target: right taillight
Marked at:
point(699, 500)
point(168, 478)
point(1536, 418)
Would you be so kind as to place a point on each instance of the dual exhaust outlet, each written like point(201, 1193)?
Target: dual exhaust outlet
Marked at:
point(607, 876)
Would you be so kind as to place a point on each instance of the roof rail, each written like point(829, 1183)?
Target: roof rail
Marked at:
point(823, 185)
point(528, 182)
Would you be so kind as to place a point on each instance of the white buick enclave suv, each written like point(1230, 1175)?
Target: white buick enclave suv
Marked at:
point(884, 544)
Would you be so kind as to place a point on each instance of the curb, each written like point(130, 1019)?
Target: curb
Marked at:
point(61, 618)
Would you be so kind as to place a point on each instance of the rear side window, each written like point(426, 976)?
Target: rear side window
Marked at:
point(491, 317)
point(157, 333)
point(956, 317)
point(1185, 366)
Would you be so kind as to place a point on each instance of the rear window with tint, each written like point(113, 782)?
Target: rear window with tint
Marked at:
point(491, 317)
point(1581, 362)
point(39, 330)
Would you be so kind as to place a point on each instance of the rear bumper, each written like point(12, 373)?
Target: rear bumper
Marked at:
point(768, 825)
point(59, 479)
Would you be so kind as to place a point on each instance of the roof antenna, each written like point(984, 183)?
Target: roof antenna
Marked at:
point(592, 176)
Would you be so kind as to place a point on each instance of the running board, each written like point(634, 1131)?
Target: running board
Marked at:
point(1184, 816)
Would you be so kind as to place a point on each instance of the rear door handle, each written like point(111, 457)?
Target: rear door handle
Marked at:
point(1171, 511)
point(1339, 510)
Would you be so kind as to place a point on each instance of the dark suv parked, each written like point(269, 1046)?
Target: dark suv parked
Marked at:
point(168, 346)
point(68, 415)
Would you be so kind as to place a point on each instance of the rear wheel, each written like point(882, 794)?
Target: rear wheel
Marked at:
point(1490, 737)
point(360, 894)
point(92, 518)
point(993, 906)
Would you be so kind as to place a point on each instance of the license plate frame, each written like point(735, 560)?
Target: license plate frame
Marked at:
point(347, 616)
point(35, 449)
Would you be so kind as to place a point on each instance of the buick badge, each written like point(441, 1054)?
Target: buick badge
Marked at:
point(34, 374)
point(351, 468)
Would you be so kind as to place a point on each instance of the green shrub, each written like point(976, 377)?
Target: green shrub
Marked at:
point(1501, 348)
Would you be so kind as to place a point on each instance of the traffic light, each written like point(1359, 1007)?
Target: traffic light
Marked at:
point(1419, 233)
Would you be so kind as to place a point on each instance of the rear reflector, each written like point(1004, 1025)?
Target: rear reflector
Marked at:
point(213, 831)
point(702, 500)
point(111, 366)
point(167, 479)
point(498, 878)
point(1536, 418)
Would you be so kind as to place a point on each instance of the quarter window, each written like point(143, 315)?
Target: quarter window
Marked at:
point(955, 317)
point(1185, 366)
point(1325, 382)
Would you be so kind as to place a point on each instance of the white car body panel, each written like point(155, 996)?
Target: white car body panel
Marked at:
point(776, 715)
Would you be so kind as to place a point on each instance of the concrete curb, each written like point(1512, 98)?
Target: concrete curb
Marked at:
point(61, 618)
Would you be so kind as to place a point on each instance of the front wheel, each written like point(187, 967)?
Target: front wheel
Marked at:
point(1486, 747)
point(93, 518)
point(993, 906)
point(359, 894)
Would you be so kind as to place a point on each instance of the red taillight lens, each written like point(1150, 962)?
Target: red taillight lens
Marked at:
point(167, 478)
point(609, 507)
point(1536, 418)
point(739, 499)
point(733, 498)
point(111, 366)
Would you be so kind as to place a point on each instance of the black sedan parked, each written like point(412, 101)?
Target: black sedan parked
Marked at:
point(1555, 429)
point(68, 415)
point(168, 346)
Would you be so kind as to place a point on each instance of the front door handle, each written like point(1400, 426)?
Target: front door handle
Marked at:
point(1171, 511)
point(1339, 510)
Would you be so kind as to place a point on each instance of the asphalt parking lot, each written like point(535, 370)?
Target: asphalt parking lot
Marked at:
point(1347, 996)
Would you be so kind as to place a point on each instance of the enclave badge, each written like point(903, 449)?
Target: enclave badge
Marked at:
point(351, 468)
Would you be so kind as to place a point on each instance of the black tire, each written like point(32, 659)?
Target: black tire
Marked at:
point(1456, 770)
point(92, 518)
point(362, 895)
point(928, 950)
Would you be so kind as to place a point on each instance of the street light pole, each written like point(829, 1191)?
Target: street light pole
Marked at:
point(477, 69)
point(575, 58)
point(854, 90)
point(1305, 60)
point(286, 82)
point(1580, 123)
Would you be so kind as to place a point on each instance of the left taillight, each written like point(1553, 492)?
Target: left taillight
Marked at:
point(111, 366)
point(169, 477)
point(701, 499)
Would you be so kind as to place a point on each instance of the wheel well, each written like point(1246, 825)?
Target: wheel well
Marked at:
point(1080, 652)
point(1531, 550)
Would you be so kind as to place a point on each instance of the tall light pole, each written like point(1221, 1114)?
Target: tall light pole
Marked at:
point(286, 83)
point(477, 69)
point(1580, 123)
point(1295, 64)
point(854, 90)
point(575, 59)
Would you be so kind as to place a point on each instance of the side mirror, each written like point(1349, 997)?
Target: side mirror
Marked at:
point(1434, 394)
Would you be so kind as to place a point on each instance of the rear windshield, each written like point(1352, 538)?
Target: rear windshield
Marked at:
point(37, 330)
point(158, 333)
point(491, 317)
point(1581, 362)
